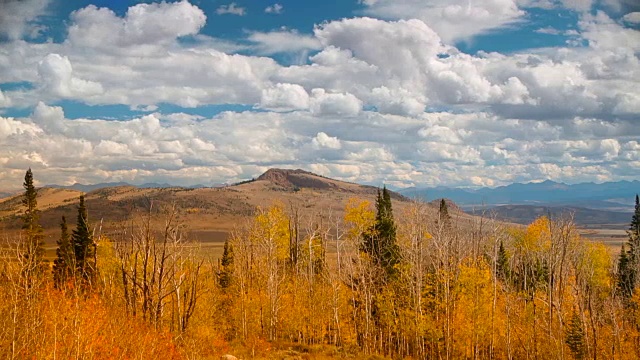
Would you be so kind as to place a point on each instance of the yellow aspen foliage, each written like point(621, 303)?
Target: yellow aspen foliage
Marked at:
point(272, 226)
point(300, 287)
point(596, 263)
point(359, 217)
point(108, 266)
point(86, 327)
point(412, 228)
point(537, 237)
point(472, 319)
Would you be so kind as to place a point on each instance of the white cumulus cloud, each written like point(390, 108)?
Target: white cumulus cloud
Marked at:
point(18, 18)
point(385, 99)
point(143, 25)
point(285, 97)
point(632, 18)
point(451, 19)
point(322, 140)
point(56, 73)
point(334, 104)
point(274, 9)
point(232, 9)
point(280, 41)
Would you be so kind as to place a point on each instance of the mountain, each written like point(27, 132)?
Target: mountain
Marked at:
point(91, 187)
point(295, 180)
point(6, 194)
point(209, 213)
point(525, 214)
point(87, 187)
point(459, 196)
point(609, 196)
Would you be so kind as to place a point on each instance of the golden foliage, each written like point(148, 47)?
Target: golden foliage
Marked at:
point(288, 297)
point(358, 217)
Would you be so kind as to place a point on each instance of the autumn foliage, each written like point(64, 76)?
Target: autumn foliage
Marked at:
point(418, 283)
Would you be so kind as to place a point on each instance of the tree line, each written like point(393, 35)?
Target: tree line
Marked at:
point(416, 283)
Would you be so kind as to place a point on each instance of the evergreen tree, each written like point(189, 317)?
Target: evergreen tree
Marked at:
point(226, 266)
point(381, 244)
point(629, 260)
point(634, 228)
point(502, 263)
point(575, 337)
point(444, 216)
point(625, 274)
point(34, 247)
point(83, 245)
point(63, 265)
point(634, 233)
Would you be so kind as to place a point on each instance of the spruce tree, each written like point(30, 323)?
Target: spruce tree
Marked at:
point(629, 260)
point(634, 227)
point(63, 265)
point(444, 217)
point(370, 243)
point(575, 337)
point(634, 233)
point(381, 244)
point(33, 250)
point(502, 263)
point(83, 246)
point(625, 275)
point(226, 266)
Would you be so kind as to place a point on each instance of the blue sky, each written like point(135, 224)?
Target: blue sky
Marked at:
point(401, 92)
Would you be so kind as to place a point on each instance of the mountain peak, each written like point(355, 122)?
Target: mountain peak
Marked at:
point(298, 178)
point(279, 173)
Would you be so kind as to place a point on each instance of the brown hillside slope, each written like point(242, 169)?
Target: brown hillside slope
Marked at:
point(287, 180)
point(47, 198)
point(209, 213)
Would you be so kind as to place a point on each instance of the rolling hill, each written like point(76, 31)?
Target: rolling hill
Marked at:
point(584, 217)
point(210, 214)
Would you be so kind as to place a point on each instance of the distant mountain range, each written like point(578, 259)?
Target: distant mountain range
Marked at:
point(526, 214)
point(588, 203)
point(613, 196)
point(4, 194)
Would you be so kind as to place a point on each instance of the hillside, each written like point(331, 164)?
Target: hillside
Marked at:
point(47, 199)
point(91, 187)
point(525, 214)
point(209, 213)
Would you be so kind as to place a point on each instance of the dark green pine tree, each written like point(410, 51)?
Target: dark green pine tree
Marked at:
point(444, 218)
point(634, 228)
point(83, 246)
point(33, 251)
point(63, 265)
point(381, 244)
point(629, 260)
point(625, 281)
point(575, 337)
point(634, 231)
point(226, 266)
point(502, 263)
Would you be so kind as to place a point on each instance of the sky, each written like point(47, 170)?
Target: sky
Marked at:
point(463, 93)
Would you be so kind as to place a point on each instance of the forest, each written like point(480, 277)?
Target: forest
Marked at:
point(377, 283)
